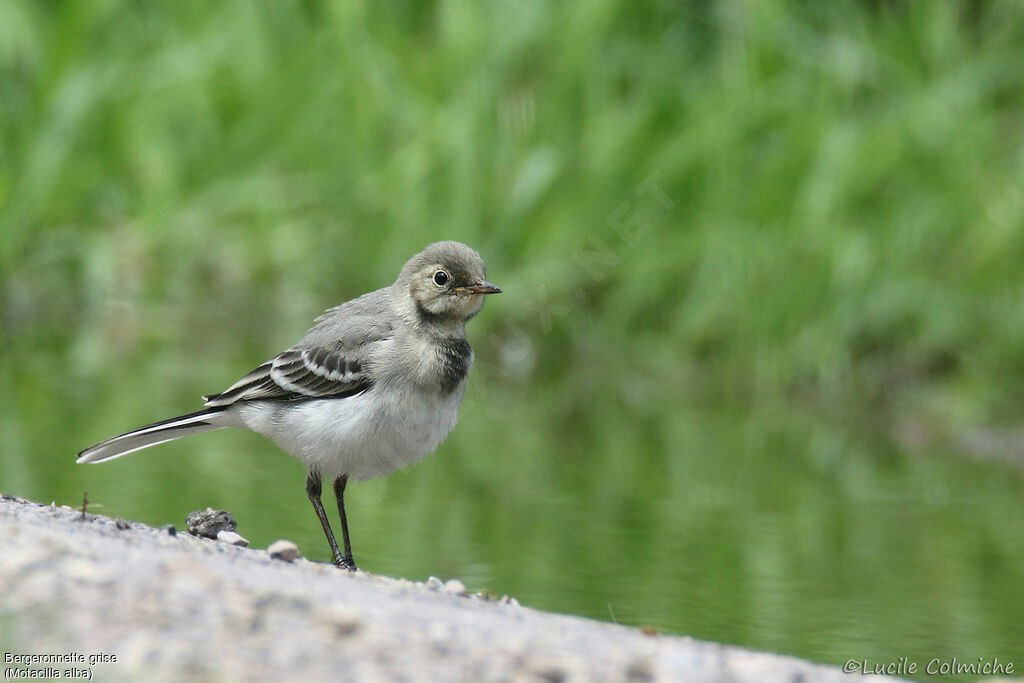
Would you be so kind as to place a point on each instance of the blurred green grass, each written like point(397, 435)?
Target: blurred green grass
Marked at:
point(755, 374)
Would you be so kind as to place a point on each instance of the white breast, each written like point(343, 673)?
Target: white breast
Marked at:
point(363, 436)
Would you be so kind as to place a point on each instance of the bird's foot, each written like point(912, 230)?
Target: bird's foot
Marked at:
point(346, 563)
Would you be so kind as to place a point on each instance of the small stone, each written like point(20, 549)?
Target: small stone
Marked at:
point(284, 550)
point(506, 600)
point(342, 619)
point(434, 583)
point(439, 632)
point(455, 587)
point(122, 524)
point(559, 669)
point(169, 529)
point(209, 522)
point(639, 670)
point(233, 538)
point(551, 672)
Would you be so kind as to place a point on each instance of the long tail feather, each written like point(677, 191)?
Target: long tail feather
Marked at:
point(151, 435)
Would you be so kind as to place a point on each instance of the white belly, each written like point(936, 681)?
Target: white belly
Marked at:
point(363, 436)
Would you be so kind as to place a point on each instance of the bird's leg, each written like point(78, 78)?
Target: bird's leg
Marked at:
point(339, 493)
point(313, 491)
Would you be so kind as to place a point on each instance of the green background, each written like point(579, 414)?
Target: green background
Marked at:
point(756, 376)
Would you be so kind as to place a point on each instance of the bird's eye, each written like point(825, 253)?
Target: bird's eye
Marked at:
point(440, 278)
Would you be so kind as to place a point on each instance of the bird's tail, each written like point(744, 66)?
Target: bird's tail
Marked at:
point(158, 432)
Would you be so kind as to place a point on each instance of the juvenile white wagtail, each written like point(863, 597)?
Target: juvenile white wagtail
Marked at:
point(375, 385)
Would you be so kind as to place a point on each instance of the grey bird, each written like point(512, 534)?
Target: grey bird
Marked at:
point(373, 386)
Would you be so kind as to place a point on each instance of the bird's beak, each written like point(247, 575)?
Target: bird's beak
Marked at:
point(482, 287)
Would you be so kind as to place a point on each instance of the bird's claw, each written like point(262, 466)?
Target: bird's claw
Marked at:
point(346, 563)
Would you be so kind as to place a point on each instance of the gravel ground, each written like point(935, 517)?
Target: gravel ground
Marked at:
point(185, 608)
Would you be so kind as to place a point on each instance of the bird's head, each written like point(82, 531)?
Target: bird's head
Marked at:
point(447, 281)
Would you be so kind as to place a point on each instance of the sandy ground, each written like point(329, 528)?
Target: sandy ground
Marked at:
point(135, 603)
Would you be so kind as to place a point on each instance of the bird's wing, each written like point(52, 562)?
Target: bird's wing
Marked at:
point(332, 361)
point(300, 373)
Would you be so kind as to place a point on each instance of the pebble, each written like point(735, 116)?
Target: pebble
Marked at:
point(233, 538)
point(284, 550)
point(455, 587)
point(434, 583)
point(560, 669)
point(639, 670)
point(506, 600)
point(439, 632)
point(209, 522)
point(169, 529)
point(342, 619)
point(122, 524)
